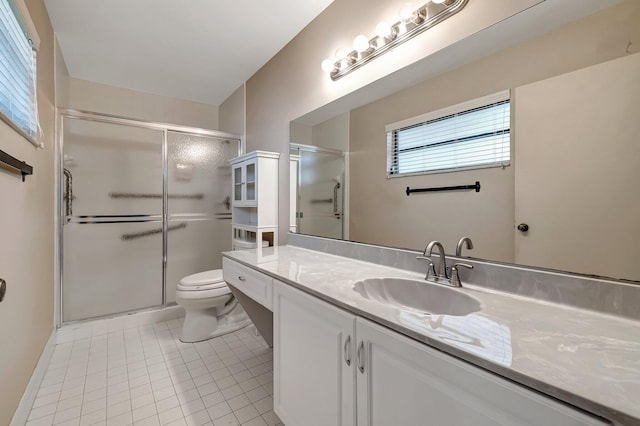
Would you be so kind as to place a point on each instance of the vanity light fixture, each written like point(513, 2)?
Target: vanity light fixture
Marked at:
point(412, 22)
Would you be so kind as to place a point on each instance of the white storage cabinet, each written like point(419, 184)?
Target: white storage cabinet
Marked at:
point(255, 200)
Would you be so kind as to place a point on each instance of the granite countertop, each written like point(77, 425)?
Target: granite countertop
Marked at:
point(585, 358)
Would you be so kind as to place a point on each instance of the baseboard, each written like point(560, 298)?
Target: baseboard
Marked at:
point(30, 393)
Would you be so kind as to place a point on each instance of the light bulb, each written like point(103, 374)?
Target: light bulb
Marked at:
point(327, 65)
point(361, 43)
point(383, 30)
point(437, 1)
point(406, 12)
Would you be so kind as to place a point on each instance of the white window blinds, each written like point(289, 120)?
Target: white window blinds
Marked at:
point(469, 135)
point(18, 102)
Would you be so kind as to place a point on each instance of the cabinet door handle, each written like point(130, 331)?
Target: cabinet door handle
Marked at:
point(241, 278)
point(347, 350)
point(361, 357)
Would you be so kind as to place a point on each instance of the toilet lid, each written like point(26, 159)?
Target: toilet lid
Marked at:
point(210, 279)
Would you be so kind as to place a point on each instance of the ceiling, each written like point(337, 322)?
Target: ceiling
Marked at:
point(200, 50)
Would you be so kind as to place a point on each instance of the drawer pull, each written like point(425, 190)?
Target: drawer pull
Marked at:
point(361, 357)
point(347, 350)
point(241, 278)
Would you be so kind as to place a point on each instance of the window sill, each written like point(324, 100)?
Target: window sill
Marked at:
point(460, 169)
point(21, 132)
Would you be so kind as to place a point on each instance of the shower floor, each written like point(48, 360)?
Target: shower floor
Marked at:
point(143, 375)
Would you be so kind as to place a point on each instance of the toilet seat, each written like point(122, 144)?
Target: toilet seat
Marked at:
point(207, 280)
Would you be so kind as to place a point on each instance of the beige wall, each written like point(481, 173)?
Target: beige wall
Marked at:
point(488, 216)
point(301, 133)
point(292, 83)
point(26, 246)
point(62, 79)
point(333, 133)
point(96, 97)
point(231, 113)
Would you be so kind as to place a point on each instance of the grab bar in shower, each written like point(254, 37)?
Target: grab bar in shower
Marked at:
point(323, 200)
point(135, 235)
point(23, 168)
point(149, 195)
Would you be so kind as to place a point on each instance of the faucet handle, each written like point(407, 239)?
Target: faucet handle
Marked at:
point(430, 268)
point(455, 277)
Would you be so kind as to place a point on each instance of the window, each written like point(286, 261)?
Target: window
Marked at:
point(18, 103)
point(474, 134)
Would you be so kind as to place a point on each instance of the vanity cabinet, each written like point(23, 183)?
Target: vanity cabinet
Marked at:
point(333, 368)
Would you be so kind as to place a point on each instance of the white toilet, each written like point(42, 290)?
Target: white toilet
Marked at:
point(211, 309)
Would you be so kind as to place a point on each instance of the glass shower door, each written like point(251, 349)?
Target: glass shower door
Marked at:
point(199, 204)
point(113, 206)
point(320, 193)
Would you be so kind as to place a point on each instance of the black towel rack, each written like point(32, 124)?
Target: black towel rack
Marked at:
point(475, 186)
point(24, 168)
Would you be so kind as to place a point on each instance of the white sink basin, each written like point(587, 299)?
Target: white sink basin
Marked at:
point(417, 295)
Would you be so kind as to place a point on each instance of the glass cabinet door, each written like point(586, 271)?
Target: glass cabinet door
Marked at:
point(237, 183)
point(250, 181)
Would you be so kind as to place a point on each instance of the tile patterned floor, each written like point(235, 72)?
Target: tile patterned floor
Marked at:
point(145, 376)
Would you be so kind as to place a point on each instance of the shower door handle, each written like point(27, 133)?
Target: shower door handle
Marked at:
point(336, 213)
point(68, 194)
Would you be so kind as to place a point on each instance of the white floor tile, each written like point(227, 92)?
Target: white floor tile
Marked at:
point(256, 421)
point(150, 421)
point(43, 411)
point(170, 416)
point(115, 410)
point(228, 420)
point(42, 421)
point(271, 419)
point(46, 399)
point(67, 414)
point(245, 414)
point(192, 407)
point(124, 371)
point(144, 412)
point(94, 417)
point(124, 419)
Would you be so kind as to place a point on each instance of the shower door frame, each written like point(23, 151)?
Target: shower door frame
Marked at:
point(60, 215)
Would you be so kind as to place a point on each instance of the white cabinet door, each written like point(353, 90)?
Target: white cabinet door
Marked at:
point(407, 383)
point(313, 385)
point(250, 182)
point(238, 184)
point(245, 183)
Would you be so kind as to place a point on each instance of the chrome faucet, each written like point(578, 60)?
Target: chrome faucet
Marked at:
point(442, 264)
point(462, 241)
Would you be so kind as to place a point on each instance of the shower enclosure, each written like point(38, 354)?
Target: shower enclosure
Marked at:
point(320, 191)
point(143, 205)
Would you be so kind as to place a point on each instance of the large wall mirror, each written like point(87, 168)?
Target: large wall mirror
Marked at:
point(572, 178)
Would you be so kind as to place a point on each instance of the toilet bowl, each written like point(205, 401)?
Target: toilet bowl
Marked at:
point(211, 310)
